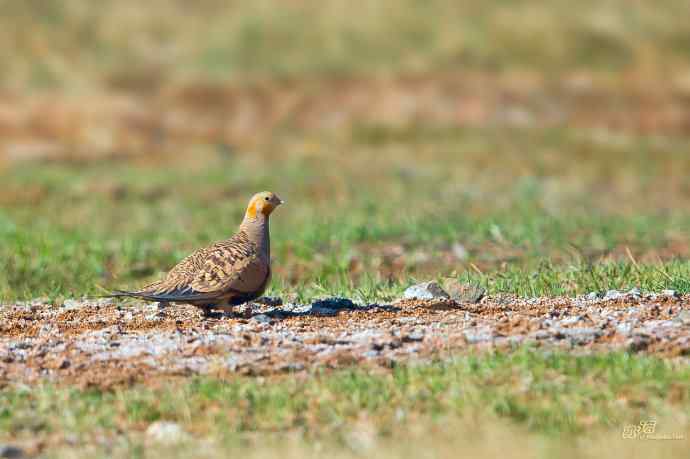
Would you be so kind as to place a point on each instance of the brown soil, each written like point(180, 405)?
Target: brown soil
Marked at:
point(104, 343)
point(54, 126)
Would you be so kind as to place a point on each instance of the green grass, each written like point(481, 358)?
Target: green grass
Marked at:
point(547, 396)
point(135, 45)
point(363, 224)
point(374, 203)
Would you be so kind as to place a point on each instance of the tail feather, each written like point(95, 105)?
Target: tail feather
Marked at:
point(151, 296)
point(122, 293)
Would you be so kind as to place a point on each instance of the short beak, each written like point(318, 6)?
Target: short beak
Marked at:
point(280, 201)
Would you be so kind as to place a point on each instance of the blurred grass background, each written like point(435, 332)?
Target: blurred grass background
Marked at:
point(536, 148)
point(70, 43)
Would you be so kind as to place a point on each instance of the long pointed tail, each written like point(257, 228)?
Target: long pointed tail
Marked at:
point(174, 296)
point(150, 296)
point(120, 294)
point(113, 294)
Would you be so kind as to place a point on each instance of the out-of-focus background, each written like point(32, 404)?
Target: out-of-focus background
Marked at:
point(534, 147)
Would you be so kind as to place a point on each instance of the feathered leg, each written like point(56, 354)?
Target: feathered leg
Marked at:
point(206, 309)
point(225, 306)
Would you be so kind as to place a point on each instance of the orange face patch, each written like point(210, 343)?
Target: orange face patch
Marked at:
point(251, 209)
point(263, 203)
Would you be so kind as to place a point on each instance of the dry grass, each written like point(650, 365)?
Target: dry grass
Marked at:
point(134, 45)
point(469, 437)
point(541, 405)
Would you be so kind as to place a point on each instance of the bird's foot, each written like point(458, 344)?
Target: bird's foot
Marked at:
point(216, 310)
point(248, 312)
point(210, 313)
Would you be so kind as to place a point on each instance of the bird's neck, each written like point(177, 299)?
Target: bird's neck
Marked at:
point(256, 228)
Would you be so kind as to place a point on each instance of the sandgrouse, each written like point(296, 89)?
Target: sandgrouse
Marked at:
point(224, 274)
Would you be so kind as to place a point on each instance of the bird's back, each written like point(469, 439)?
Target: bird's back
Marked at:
point(209, 268)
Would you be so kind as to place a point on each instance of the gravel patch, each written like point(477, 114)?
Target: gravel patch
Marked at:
point(105, 342)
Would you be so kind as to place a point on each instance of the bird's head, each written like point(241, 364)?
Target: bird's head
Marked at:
point(263, 203)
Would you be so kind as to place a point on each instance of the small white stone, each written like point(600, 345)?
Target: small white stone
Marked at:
point(636, 292)
point(262, 319)
point(478, 335)
point(459, 251)
point(425, 291)
point(571, 320)
point(72, 304)
point(166, 432)
point(683, 317)
point(613, 295)
point(625, 328)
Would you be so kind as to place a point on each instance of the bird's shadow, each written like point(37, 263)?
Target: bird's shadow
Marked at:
point(328, 307)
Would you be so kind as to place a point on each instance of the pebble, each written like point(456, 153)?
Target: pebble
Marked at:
point(463, 293)
point(539, 335)
point(671, 293)
point(69, 305)
point(683, 316)
point(361, 440)
point(11, 452)
point(425, 291)
point(296, 308)
point(593, 296)
point(413, 337)
point(578, 336)
point(262, 319)
point(613, 295)
point(625, 328)
point(232, 362)
point(154, 317)
point(459, 251)
point(635, 292)
point(638, 343)
point(478, 335)
point(407, 320)
point(571, 320)
point(371, 354)
point(166, 432)
point(293, 367)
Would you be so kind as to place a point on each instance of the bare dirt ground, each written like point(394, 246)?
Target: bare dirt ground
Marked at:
point(53, 126)
point(104, 343)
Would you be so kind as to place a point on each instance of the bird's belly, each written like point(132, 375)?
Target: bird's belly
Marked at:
point(253, 278)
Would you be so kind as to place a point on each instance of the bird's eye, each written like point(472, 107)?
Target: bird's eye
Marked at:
point(266, 198)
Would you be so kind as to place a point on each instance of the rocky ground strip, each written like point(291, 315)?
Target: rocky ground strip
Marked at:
point(103, 342)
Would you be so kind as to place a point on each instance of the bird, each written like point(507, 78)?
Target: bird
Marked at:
point(225, 274)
